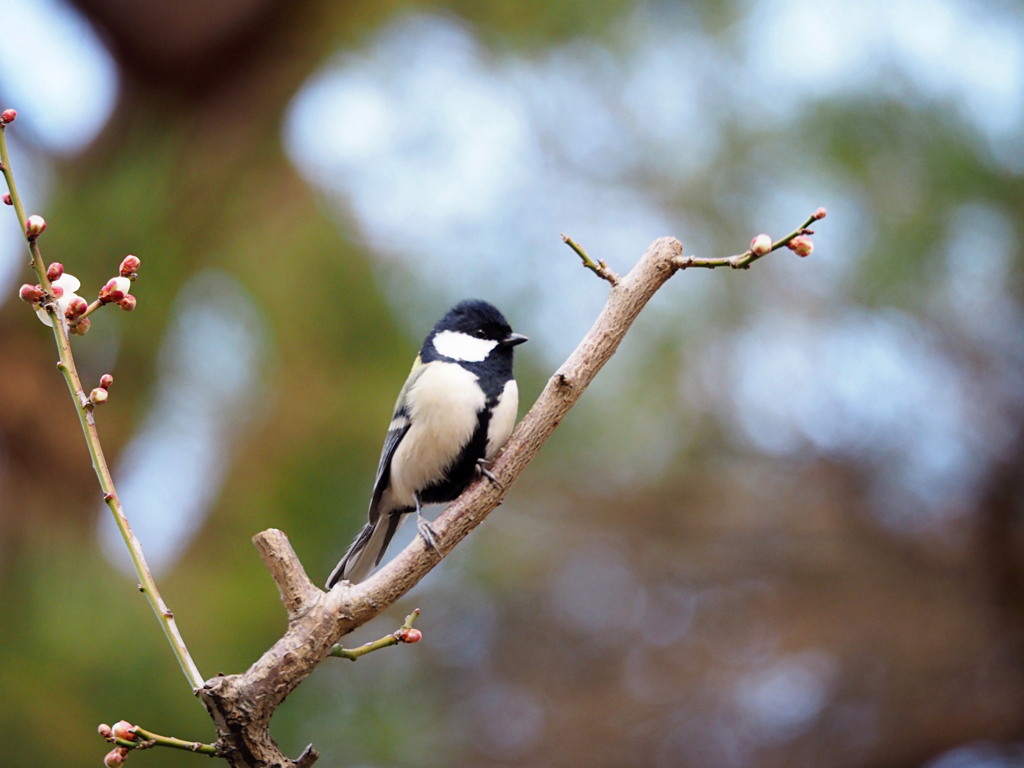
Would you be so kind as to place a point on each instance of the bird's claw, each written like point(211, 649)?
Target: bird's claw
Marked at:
point(426, 532)
point(482, 468)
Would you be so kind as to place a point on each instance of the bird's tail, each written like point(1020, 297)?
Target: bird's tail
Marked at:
point(366, 552)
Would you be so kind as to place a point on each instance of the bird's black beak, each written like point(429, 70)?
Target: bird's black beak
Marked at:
point(513, 339)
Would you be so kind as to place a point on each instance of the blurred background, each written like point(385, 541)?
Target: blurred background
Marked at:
point(784, 527)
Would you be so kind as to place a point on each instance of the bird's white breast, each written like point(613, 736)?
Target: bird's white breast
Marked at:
point(503, 419)
point(443, 406)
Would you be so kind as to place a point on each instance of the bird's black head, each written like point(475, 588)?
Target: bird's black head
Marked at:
point(471, 331)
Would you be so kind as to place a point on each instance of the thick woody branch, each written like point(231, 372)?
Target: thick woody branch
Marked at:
point(242, 705)
point(293, 584)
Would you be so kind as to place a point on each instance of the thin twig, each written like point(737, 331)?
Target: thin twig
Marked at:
point(400, 635)
point(84, 409)
point(599, 268)
point(748, 257)
point(145, 739)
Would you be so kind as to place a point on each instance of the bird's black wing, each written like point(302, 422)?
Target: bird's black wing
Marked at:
point(369, 546)
point(391, 441)
point(400, 423)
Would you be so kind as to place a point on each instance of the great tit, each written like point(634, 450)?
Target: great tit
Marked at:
point(455, 411)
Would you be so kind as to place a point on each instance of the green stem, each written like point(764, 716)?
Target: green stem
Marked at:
point(175, 743)
point(599, 268)
point(148, 739)
point(84, 408)
point(5, 167)
point(89, 310)
point(396, 637)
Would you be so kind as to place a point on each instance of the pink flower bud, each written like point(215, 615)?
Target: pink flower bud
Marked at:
point(115, 289)
point(127, 303)
point(411, 635)
point(7, 116)
point(122, 728)
point(97, 397)
point(75, 308)
point(821, 213)
point(81, 327)
point(33, 294)
point(801, 245)
point(130, 266)
point(761, 245)
point(54, 271)
point(104, 730)
point(58, 291)
point(115, 758)
point(34, 226)
point(106, 381)
point(7, 199)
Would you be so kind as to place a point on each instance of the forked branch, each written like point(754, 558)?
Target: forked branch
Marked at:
point(243, 704)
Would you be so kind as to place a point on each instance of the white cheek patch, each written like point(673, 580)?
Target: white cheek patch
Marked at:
point(462, 346)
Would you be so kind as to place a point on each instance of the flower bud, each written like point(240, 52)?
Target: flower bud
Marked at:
point(75, 308)
point(81, 327)
point(761, 245)
point(122, 728)
point(821, 213)
point(115, 758)
point(801, 245)
point(410, 635)
point(127, 303)
point(104, 730)
point(115, 289)
point(106, 381)
point(54, 271)
point(130, 266)
point(58, 291)
point(7, 199)
point(97, 397)
point(33, 294)
point(34, 226)
point(7, 116)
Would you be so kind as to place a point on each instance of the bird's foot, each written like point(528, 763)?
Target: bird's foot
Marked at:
point(426, 532)
point(483, 467)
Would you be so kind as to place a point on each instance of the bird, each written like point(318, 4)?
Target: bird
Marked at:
point(454, 413)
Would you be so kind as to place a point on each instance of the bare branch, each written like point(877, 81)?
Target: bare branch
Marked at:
point(243, 704)
point(295, 587)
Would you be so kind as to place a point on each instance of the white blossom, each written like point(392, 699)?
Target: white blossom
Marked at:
point(69, 284)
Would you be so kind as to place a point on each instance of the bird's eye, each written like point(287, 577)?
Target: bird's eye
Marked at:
point(480, 333)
